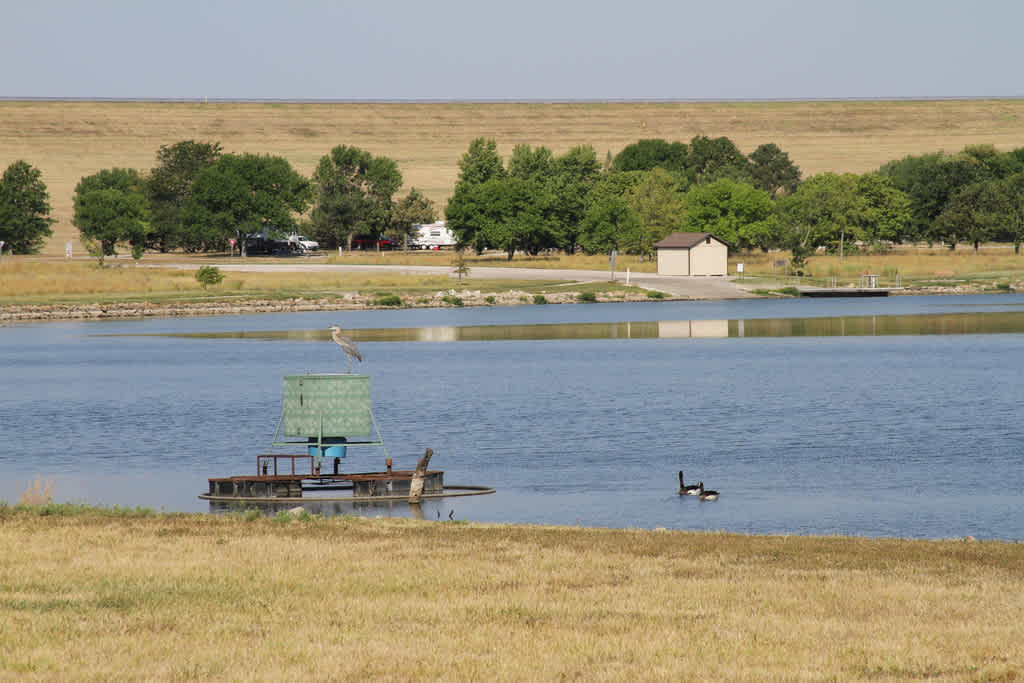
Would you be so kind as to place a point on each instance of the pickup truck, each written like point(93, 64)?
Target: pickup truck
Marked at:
point(304, 242)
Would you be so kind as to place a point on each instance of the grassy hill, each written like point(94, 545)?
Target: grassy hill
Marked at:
point(68, 140)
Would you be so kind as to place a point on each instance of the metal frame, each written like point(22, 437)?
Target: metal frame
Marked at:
point(320, 438)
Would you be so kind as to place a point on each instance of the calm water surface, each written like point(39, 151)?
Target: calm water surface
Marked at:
point(875, 417)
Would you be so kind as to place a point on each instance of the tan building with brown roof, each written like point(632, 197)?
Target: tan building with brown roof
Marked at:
point(692, 253)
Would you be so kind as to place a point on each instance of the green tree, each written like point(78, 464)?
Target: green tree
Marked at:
point(822, 212)
point(573, 175)
point(735, 212)
point(466, 209)
point(646, 155)
point(240, 193)
point(110, 209)
point(24, 209)
point(169, 186)
point(408, 211)
point(480, 163)
point(657, 201)
point(882, 213)
point(609, 219)
point(1012, 193)
point(772, 170)
point(976, 213)
point(531, 164)
point(930, 181)
point(354, 191)
point(712, 158)
point(505, 213)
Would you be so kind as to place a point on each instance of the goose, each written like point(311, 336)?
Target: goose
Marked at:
point(684, 490)
point(706, 494)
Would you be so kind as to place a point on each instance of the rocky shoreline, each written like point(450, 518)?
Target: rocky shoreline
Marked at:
point(241, 306)
point(346, 302)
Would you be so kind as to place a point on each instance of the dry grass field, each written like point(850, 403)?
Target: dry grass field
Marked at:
point(69, 140)
point(114, 595)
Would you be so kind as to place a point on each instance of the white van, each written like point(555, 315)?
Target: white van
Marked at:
point(431, 236)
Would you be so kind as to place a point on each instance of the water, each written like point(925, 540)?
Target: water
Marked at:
point(847, 423)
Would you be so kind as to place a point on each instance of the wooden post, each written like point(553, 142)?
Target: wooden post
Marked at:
point(416, 486)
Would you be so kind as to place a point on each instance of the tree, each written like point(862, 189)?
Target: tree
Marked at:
point(480, 163)
point(240, 193)
point(24, 209)
point(974, 214)
point(609, 220)
point(506, 213)
point(110, 209)
point(410, 210)
point(930, 181)
point(733, 211)
point(657, 201)
point(169, 186)
point(882, 213)
point(531, 164)
point(646, 155)
point(818, 214)
point(710, 159)
point(354, 191)
point(772, 170)
point(467, 208)
point(573, 175)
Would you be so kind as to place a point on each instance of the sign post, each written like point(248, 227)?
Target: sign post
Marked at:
point(611, 262)
point(2, 243)
point(739, 269)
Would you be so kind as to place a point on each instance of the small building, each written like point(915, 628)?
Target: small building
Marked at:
point(692, 253)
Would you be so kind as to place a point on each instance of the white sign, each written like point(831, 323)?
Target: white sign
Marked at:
point(739, 267)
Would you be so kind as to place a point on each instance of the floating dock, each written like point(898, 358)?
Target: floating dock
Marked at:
point(331, 414)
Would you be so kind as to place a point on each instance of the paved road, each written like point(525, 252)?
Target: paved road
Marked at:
point(692, 287)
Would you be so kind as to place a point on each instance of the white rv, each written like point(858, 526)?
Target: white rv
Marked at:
point(431, 236)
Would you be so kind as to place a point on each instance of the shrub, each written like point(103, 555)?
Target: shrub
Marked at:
point(789, 291)
point(587, 297)
point(491, 300)
point(388, 300)
point(539, 299)
point(654, 294)
point(209, 275)
point(451, 299)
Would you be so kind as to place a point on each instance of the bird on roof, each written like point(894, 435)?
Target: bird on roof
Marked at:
point(346, 344)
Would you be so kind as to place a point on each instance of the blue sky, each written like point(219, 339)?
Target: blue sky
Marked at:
point(527, 49)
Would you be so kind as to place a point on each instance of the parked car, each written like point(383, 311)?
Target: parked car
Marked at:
point(304, 242)
point(367, 242)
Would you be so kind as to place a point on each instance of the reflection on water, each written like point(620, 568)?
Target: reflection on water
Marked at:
point(846, 326)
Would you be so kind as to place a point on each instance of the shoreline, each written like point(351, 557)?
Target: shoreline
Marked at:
point(15, 313)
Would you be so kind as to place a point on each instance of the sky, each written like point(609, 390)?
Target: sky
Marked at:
point(521, 50)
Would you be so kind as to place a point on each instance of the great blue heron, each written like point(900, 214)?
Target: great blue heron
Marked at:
point(346, 344)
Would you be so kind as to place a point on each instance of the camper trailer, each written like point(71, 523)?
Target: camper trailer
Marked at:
point(431, 236)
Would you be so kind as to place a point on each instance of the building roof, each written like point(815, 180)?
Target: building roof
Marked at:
point(686, 240)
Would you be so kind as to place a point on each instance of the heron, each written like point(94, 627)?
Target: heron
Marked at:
point(346, 344)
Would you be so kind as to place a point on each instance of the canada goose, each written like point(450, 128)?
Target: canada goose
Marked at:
point(684, 490)
point(706, 494)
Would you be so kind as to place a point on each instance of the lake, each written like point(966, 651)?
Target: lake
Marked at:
point(870, 417)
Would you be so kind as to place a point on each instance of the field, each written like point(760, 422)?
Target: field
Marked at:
point(69, 140)
point(126, 595)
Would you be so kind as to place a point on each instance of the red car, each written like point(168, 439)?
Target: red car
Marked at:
point(364, 242)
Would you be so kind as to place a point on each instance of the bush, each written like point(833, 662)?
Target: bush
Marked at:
point(654, 294)
point(789, 291)
point(587, 297)
point(388, 300)
point(539, 299)
point(451, 299)
point(209, 275)
point(491, 300)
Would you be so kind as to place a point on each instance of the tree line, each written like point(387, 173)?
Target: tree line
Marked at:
point(198, 198)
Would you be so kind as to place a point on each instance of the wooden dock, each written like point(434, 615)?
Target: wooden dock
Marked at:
point(828, 292)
